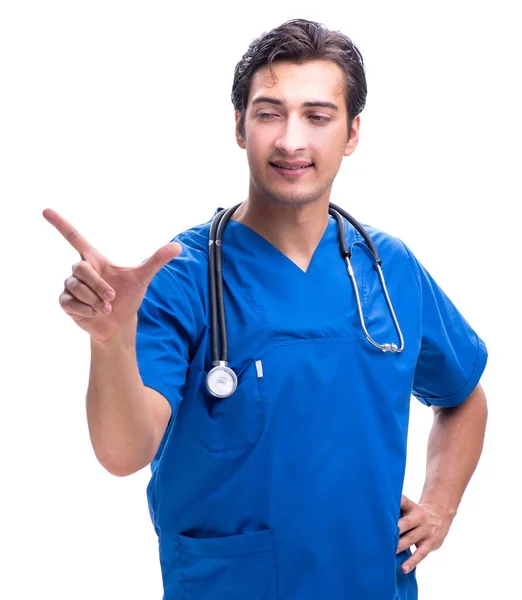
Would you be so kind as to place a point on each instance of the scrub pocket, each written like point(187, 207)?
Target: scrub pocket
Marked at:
point(236, 422)
point(238, 567)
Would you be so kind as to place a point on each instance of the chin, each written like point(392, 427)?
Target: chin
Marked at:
point(288, 194)
point(292, 199)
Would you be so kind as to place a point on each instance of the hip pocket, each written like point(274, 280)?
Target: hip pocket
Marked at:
point(236, 422)
point(237, 567)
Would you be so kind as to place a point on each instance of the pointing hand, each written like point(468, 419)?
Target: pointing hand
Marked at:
point(99, 296)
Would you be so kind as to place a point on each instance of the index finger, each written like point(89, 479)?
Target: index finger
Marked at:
point(72, 235)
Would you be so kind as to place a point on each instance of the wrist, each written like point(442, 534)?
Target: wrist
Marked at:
point(443, 506)
point(124, 336)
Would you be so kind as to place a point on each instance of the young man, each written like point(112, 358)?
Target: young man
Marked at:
point(288, 488)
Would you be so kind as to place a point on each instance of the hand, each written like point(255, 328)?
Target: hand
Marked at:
point(423, 525)
point(99, 296)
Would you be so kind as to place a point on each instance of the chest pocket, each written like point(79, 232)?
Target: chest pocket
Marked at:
point(236, 422)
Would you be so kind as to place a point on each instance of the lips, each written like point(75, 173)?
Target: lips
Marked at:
point(291, 166)
point(291, 170)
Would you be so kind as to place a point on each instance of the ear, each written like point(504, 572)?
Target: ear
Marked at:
point(351, 144)
point(239, 138)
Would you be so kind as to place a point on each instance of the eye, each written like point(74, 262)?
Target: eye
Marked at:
point(265, 116)
point(319, 118)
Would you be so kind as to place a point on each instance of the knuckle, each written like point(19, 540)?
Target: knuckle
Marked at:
point(73, 284)
point(80, 268)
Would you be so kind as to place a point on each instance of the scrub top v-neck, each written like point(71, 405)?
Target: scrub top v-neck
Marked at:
point(290, 488)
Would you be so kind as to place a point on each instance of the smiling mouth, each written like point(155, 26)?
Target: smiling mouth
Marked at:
point(288, 168)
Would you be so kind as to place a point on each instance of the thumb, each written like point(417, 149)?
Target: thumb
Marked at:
point(160, 258)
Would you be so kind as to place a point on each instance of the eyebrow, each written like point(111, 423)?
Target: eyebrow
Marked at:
point(277, 102)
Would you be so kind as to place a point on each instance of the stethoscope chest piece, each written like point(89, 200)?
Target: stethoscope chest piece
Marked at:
point(221, 381)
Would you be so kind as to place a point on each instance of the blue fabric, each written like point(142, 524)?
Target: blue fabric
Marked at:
point(290, 489)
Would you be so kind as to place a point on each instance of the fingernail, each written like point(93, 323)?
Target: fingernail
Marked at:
point(405, 569)
point(107, 308)
point(109, 295)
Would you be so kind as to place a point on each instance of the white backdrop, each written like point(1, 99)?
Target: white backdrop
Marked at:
point(118, 115)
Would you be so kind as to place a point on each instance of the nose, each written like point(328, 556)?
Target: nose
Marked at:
point(292, 137)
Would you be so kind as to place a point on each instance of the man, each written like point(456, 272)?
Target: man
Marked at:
point(290, 487)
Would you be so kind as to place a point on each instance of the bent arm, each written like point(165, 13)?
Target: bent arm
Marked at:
point(454, 448)
point(126, 419)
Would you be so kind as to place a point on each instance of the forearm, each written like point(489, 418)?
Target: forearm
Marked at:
point(121, 420)
point(454, 448)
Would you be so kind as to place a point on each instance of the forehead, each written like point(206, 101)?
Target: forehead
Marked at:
point(298, 83)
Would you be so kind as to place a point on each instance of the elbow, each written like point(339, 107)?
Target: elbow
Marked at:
point(119, 470)
point(121, 466)
point(122, 457)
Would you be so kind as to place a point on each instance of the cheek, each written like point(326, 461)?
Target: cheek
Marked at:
point(328, 146)
point(259, 145)
point(330, 155)
point(253, 148)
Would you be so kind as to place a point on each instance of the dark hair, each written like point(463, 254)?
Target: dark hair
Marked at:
point(300, 41)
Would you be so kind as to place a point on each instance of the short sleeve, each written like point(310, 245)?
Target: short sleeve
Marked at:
point(452, 356)
point(165, 335)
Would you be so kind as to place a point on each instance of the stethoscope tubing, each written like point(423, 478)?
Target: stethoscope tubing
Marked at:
point(217, 302)
point(221, 372)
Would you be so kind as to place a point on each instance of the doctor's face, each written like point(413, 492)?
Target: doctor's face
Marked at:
point(296, 131)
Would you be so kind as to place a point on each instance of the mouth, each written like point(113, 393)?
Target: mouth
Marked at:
point(291, 169)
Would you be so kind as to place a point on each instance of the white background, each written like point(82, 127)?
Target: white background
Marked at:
point(118, 115)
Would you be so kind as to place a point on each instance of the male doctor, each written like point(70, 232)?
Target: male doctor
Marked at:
point(291, 487)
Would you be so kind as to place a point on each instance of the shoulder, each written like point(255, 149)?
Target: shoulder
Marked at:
point(394, 253)
point(194, 250)
point(388, 245)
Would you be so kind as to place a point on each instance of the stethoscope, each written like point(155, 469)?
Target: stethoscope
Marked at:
point(221, 380)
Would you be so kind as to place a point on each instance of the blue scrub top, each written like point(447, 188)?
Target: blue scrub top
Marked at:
point(290, 489)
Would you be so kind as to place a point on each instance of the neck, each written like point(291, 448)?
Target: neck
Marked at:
point(294, 230)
